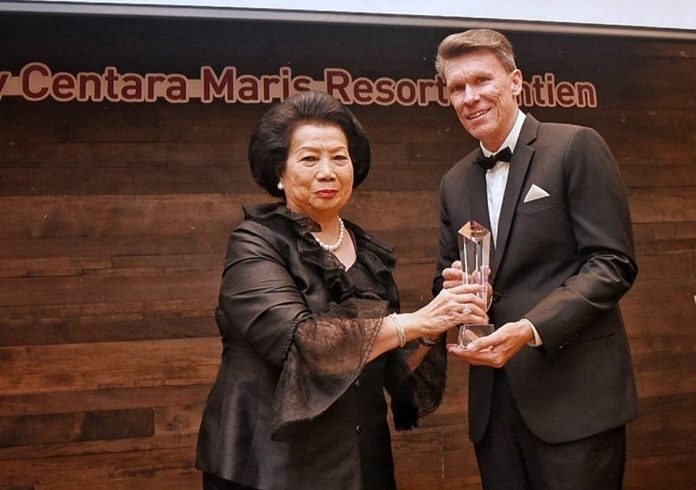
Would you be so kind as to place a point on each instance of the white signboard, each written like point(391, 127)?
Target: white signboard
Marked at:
point(667, 14)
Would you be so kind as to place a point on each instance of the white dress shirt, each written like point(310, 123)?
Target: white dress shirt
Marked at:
point(496, 180)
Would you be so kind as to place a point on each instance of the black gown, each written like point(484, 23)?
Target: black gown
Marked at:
point(296, 405)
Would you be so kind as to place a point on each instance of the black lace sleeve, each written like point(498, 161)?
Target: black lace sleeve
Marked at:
point(418, 393)
point(328, 352)
point(311, 380)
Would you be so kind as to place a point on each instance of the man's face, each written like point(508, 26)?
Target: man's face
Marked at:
point(484, 95)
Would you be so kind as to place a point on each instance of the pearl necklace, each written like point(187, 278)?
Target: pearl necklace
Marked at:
point(333, 247)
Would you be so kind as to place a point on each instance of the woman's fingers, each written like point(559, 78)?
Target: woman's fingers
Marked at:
point(467, 293)
point(450, 273)
point(466, 301)
point(468, 288)
point(476, 318)
point(452, 276)
point(458, 305)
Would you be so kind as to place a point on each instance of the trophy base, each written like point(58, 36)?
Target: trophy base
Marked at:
point(469, 333)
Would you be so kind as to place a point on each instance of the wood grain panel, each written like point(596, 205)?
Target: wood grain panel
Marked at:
point(663, 205)
point(110, 154)
point(110, 246)
point(664, 175)
point(30, 331)
point(666, 426)
point(84, 426)
point(421, 463)
point(163, 179)
point(111, 287)
point(674, 471)
point(158, 468)
point(81, 449)
point(114, 220)
point(105, 365)
point(102, 399)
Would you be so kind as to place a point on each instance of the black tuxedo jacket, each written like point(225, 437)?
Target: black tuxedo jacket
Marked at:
point(563, 262)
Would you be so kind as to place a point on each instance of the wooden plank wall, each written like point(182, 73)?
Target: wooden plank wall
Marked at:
point(114, 217)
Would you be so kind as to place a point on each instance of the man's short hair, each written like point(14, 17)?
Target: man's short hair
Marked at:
point(462, 42)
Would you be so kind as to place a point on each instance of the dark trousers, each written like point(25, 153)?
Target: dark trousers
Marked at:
point(212, 482)
point(510, 457)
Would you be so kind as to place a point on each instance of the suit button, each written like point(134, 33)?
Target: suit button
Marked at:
point(357, 428)
point(496, 297)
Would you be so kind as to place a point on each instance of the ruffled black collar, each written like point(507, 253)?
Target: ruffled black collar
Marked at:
point(262, 212)
point(377, 259)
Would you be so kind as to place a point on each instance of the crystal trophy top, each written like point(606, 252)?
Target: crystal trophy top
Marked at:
point(475, 254)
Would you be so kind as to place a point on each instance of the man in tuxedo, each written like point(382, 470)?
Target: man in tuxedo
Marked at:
point(551, 389)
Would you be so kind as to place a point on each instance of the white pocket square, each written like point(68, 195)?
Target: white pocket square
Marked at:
point(535, 192)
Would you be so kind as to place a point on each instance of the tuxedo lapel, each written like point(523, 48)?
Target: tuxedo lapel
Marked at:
point(521, 158)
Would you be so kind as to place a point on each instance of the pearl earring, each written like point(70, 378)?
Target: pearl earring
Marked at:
point(280, 186)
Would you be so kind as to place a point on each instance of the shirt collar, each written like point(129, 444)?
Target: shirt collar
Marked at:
point(512, 137)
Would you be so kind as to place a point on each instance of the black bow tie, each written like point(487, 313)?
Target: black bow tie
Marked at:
point(488, 163)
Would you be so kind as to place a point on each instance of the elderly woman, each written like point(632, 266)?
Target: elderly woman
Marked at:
point(310, 333)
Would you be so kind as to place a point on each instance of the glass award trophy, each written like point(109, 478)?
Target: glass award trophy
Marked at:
point(475, 254)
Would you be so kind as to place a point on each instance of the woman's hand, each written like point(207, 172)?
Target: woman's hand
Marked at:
point(455, 305)
point(451, 307)
point(452, 275)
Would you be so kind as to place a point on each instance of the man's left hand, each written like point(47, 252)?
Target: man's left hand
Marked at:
point(498, 348)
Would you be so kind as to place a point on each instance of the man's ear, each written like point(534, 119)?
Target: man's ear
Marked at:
point(516, 80)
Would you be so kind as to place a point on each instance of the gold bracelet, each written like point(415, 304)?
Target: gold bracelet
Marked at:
point(399, 329)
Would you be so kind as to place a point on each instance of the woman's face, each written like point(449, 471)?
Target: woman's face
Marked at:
point(318, 175)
